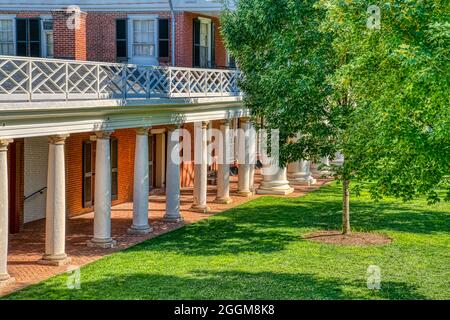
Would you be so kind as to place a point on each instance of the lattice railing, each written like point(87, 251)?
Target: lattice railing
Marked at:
point(36, 79)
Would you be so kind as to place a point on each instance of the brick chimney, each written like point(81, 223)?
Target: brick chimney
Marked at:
point(69, 32)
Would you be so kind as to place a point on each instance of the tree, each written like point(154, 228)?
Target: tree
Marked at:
point(397, 77)
point(373, 87)
point(286, 60)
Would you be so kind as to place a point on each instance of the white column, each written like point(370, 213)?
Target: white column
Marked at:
point(55, 213)
point(173, 181)
point(223, 167)
point(201, 167)
point(141, 184)
point(274, 181)
point(244, 159)
point(325, 161)
point(299, 172)
point(102, 217)
point(252, 155)
point(338, 159)
point(4, 225)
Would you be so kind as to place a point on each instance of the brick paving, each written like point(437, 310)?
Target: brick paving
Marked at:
point(26, 248)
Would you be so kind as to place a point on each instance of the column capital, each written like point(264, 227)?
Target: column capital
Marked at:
point(225, 122)
point(171, 128)
point(245, 119)
point(106, 134)
point(58, 139)
point(205, 124)
point(4, 144)
point(142, 131)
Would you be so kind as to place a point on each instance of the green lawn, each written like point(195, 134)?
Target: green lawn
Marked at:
point(256, 251)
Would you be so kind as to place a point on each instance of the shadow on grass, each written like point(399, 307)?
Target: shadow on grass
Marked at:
point(217, 285)
point(269, 224)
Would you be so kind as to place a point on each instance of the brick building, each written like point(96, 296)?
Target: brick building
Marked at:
point(98, 106)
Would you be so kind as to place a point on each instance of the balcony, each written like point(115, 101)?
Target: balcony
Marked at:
point(35, 80)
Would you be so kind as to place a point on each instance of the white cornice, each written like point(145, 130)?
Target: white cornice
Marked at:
point(111, 5)
point(16, 124)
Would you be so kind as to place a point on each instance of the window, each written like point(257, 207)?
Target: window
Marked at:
point(163, 41)
point(203, 54)
point(143, 38)
point(49, 44)
point(28, 37)
point(231, 62)
point(6, 37)
point(121, 40)
point(88, 198)
point(114, 168)
point(47, 31)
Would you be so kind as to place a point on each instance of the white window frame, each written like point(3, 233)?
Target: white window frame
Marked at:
point(44, 33)
point(153, 61)
point(208, 22)
point(13, 18)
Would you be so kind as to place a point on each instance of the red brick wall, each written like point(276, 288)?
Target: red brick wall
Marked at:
point(187, 167)
point(74, 168)
point(69, 43)
point(16, 185)
point(95, 40)
point(185, 40)
point(101, 35)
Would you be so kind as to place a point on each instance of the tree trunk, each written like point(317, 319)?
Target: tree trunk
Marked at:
point(346, 207)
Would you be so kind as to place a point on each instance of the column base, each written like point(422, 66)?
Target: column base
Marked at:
point(302, 181)
point(200, 208)
point(245, 194)
point(56, 260)
point(172, 219)
point(275, 192)
point(226, 200)
point(101, 243)
point(5, 280)
point(140, 230)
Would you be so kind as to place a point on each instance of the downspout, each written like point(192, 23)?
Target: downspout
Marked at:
point(172, 11)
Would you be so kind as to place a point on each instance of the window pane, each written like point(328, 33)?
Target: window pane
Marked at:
point(143, 38)
point(22, 49)
point(163, 29)
point(6, 37)
point(21, 30)
point(35, 49)
point(49, 39)
point(121, 48)
point(163, 48)
point(121, 29)
point(35, 30)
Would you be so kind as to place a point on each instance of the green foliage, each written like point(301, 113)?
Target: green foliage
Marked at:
point(380, 96)
point(397, 78)
point(285, 60)
point(256, 251)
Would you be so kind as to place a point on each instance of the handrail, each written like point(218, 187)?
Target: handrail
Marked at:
point(42, 79)
point(41, 191)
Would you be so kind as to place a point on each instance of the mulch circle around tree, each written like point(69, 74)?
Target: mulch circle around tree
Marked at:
point(352, 239)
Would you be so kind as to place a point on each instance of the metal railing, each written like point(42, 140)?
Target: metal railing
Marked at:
point(39, 79)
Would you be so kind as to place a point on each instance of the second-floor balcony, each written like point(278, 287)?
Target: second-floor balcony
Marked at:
point(36, 80)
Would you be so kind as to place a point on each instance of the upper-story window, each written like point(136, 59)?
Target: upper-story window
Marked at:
point(47, 37)
point(28, 37)
point(144, 38)
point(204, 45)
point(143, 31)
point(7, 37)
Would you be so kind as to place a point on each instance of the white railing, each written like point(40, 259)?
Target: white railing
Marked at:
point(37, 79)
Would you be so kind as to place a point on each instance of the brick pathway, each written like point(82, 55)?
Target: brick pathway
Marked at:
point(27, 247)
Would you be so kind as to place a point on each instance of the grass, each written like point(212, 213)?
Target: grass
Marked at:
point(256, 251)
